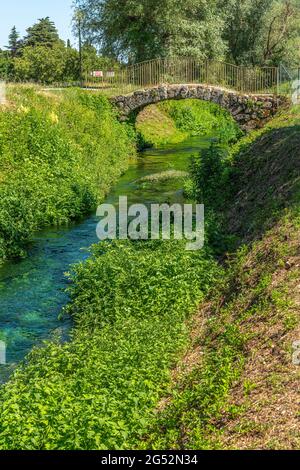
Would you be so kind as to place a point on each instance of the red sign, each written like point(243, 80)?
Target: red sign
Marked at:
point(97, 73)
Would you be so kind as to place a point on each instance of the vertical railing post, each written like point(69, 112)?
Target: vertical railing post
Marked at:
point(278, 79)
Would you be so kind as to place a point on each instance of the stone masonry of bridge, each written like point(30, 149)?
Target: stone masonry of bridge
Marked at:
point(249, 111)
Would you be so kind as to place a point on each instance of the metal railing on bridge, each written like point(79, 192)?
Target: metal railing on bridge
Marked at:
point(156, 72)
point(126, 79)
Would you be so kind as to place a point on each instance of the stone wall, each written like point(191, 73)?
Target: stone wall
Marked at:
point(250, 111)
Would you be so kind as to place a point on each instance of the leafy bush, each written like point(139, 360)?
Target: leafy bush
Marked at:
point(198, 117)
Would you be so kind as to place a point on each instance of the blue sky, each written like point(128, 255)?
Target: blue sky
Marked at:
point(23, 13)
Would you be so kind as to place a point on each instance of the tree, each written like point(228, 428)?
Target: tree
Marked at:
point(137, 30)
point(261, 32)
point(244, 27)
point(44, 57)
point(281, 38)
point(42, 33)
point(13, 42)
point(79, 17)
point(71, 70)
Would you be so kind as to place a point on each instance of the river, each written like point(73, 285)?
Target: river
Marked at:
point(32, 290)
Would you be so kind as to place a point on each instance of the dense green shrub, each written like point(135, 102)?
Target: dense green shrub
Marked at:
point(59, 155)
point(209, 172)
point(99, 391)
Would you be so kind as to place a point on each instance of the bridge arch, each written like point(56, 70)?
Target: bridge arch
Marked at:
point(250, 111)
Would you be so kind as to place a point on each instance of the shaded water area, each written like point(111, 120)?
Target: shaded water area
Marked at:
point(32, 291)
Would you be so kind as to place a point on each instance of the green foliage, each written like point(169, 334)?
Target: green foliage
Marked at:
point(174, 121)
point(42, 33)
point(203, 401)
point(197, 117)
point(141, 30)
point(155, 127)
point(265, 32)
point(41, 64)
point(250, 167)
point(14, 43)
point(198, 403)
point(230, 179)
point(42, 57)
point(246, 32)
point(195, 30)
point(4, 64)
point(63, 156)
point(129, 303)
point(244, 27)
point(209, 174)
point(91, 60)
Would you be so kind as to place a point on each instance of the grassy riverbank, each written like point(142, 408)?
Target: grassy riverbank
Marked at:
point(59, 155)
point(236, 387)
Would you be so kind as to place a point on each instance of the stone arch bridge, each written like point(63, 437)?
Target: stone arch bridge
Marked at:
point(250, 111)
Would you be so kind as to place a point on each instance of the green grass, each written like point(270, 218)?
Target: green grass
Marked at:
point(264, 175)
point(59, 155)
point(174, 121)
point(155, 127)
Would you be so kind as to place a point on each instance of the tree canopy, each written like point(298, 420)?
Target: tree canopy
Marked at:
point(137, 30)
point(41, 56)
point(42, 33)
point(255, 32)
point(262, 32)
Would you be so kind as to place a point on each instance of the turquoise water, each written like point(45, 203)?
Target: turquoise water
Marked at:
point(32, 290)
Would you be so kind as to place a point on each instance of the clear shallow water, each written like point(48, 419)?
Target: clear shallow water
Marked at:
point(32, 290)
